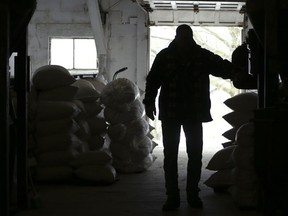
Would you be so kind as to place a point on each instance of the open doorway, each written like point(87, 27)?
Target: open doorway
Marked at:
point(222, 41)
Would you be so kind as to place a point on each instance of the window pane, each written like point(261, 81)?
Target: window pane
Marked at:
point(85, 54)
point(61, 52)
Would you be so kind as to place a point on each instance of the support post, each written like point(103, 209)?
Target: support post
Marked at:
point(21, 80)
point(4, 110)
point(270, 53)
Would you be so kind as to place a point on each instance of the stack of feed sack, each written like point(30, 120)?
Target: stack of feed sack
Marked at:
point(128, 130)
point(52, 116)
point(91, 119)
point(63, 136)
point(94, 164)
point(242, 106)
point(245, 189)
point(222, 165)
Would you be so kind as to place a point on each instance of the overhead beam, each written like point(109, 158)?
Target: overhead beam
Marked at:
point(97, 26)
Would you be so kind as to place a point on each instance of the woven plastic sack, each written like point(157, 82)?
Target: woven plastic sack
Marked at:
point(92, 158)
point(53, 110)
point(243, 101)
point(57, 173)
point(119, 92)
point(58, 142)
point(50, 127)
point(245, 135)
point(139, 127)
point(97, 173)
point(86, 91)
point(238, 118)
point(117, 131)
point(222, 159)
point(140, 148)
point(134, 111)
point(63, 93)
point(51, 76)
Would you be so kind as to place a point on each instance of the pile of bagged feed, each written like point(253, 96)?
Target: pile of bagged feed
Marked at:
point(70, 128)
point(128, 130)
point(233, 166)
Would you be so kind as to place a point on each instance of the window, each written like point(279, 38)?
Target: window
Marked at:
point(78, 55)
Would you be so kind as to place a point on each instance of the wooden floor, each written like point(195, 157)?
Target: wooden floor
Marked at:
point(133, 195)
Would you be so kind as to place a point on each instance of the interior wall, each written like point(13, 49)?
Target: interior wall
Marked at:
point(55, 18)
point(125, 32)
point(127, 36)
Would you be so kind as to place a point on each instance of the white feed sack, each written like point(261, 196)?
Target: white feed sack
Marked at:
point(119, 93)
point(134, 111)
point(86, 91)
point(57, 142)
point(54, 110)
point(55, 173)
point(96, 142)
point(128, 166)
point(84, 132)
point(120, 151)
point(140, 148)
point(92, 108)
point(97, 125)
point(117, 132)
point(99, 83)
point(243, 154)
point(243, 157)
point(92, 158)
point(139, 127)
point(50, 127)
point(59, 158)
point(64, 93)
point(245, 135)
point(51, 76)
point(221, 179)
point(243, 102)
point(238, 118)
point(97, 173)
point(222, 159)
point(134, 155)
point(230, 134)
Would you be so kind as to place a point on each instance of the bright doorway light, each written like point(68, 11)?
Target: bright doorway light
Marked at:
point(221, 41)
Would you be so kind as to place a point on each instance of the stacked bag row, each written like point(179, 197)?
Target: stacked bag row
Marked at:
point(66, 130)
point(234, 164)
point(242, 106)
point(131, 145)
point(245, 188)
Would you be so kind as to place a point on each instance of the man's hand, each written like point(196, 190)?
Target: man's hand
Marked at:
point(150, 111)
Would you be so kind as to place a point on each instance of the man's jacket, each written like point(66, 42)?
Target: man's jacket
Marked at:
point(185, 85)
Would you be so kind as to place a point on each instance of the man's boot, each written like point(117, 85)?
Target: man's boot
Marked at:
point(194, 200)
point(172, 202)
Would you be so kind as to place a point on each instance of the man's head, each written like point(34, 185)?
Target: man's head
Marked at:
point(184, 31)
point(184, 36)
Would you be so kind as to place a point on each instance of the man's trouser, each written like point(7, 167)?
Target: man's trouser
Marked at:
point(171, 130)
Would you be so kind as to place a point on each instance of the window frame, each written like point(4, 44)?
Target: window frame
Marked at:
point(75, 71)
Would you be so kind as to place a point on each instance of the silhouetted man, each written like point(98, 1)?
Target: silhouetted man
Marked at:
point(182, 72)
